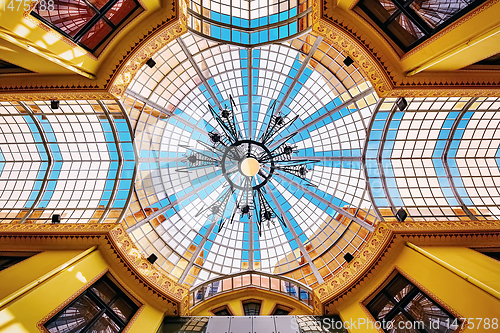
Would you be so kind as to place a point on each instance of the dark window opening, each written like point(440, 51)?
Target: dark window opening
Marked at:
point(103, 307)
point(402, 304)
point(490, 252)
point(490, 63)
point(280, 312)
point(410, 22)
point(222, 312)
point(89, 23)
point(494, 255)
point(8, 259)
point(251, 309)
point(8, 68)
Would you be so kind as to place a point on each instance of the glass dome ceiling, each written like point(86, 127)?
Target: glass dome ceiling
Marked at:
point(372, 158)
point(111, 161)
point(333, 103)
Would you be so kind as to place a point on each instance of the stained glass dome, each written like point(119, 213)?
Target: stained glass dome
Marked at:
point(122, 161)
point(307, 78)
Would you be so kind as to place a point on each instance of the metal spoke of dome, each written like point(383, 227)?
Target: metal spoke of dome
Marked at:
point(444, 159)
point(303, 66)
point(162, 109)
point(339, 210)
point(196, 253)
point(326, 158)
point(251, 157)
point(198, 71)
point(162, 159)
point(50, 158)
point(172, 204)
point(120, 159)
point(250, 94)
point(321, 114)
point(379, 157)
point(296, 237)
point(329, 113)
point(363, 156)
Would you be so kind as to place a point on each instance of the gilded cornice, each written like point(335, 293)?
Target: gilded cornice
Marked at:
point(381, 64)
point(124, 74)
point(390, 236)
point(113, 242)
point(151, 273)
point(116, 71)
point(345, 40)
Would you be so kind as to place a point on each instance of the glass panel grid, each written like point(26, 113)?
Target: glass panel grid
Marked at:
point(250, 22)
point(412, 158)
point(76, 176)
point(196, 252)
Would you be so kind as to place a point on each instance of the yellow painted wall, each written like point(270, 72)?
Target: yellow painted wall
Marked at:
point(54, 43)
point(23, 314)
point(473, 263)
point(474, 25)
point(461, 296)
point(19, 275)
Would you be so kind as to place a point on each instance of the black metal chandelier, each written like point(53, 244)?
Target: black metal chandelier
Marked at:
point(247, 165)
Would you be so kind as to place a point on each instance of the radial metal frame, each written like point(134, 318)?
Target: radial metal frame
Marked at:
point(250, 69)
point(301, 246)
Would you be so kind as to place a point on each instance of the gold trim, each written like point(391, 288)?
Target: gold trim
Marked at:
point(388, 235)
point(483, 286)
point(122, 79)
point(80, 291)
point(27, 15)
point(221, 307)
point(114, 243)
point(380, 64)
point(356, 50)
point(251, 299)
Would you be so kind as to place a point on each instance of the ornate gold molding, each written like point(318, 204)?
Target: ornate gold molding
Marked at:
point(389, 235)
point(113, 241)
point(381, 64)
point(115, 74)
point(153, 45)
point(148, 271)
point(385, 281)
point(342, 40)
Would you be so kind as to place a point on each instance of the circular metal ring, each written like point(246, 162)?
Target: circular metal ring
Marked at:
point(268, 160)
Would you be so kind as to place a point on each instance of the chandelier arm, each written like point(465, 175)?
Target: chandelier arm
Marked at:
point(227, 130)
point(271, 138)
point(203, 143)
point(265, 133)
point(295, 171)
point(285, 140)
point(257, 211)
point(249, 149)
point(200, 153)
point(233, 124)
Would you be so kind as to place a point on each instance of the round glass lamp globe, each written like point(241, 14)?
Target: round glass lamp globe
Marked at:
point(249, 167)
